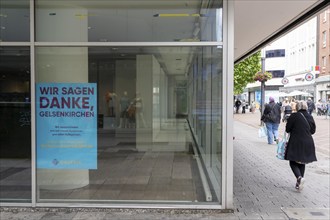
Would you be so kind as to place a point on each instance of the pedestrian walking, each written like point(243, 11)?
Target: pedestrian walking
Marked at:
point(243, 106)
point(328, 109)
point(300, 148)
point(293, 104)
point(310, 106)
point(321, 107)
point(237, 105)
point(272, 118)
point(286, 109)
point(253, 107)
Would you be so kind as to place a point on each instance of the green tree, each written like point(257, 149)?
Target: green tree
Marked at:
point(244, 72)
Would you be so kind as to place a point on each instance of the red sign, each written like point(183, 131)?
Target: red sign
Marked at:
point(285, 81)
point(309, 77)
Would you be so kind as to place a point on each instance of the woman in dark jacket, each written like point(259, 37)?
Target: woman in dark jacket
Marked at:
point(300, 148)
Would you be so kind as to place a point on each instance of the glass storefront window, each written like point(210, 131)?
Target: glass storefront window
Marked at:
point(121, 124)
point(15, 20)
point(128, 21)
point(135, 124)
point(15, 126)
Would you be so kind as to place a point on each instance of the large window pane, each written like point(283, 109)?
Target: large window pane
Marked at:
point(145, 125)
point(15, 126)
point(128, 20)
point(14, 20)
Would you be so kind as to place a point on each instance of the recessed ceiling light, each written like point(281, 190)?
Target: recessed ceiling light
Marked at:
point(178, 15)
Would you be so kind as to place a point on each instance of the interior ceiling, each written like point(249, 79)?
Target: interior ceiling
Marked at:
point(255, 22)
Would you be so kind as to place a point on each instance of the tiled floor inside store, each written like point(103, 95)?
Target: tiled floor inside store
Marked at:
point(123, 173)
point(130, 175)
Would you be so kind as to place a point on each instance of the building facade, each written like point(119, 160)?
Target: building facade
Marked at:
point(298, 62)
point(110, 103)
point(275, 63)
point(115, 103)
point(322, 82)
point(301, 58)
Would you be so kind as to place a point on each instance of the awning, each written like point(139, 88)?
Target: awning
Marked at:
point(297, 93)
point(258, 23)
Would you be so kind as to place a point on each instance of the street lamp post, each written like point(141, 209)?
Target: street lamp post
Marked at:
point(262, 87)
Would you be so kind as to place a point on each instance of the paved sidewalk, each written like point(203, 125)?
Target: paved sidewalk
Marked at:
point(263, 186)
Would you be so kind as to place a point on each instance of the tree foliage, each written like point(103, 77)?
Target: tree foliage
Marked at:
point(244, 72)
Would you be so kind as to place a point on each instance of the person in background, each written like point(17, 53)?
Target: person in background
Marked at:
point(300, 148)
point(320, 107)
point(243, 106)
point(310, 106)
point(328, 109)
point(272, 118)
point(237, 105)
point(285, 103)
point(253, 107)
point(293, 105)
point(284, 107)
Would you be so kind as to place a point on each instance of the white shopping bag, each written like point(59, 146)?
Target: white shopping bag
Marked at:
point(262, 132)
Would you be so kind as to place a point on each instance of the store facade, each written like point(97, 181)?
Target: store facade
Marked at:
point(116, 103)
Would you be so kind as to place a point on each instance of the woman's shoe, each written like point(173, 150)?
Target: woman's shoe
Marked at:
point(300, 183)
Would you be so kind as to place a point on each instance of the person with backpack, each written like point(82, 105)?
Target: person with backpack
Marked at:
point(272, 118)
point(310, 106)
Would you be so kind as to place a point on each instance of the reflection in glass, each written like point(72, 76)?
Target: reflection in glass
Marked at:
point(128, 21)
point(14, 20)
point(15, 126)
point(150, 107)
point(148, 123)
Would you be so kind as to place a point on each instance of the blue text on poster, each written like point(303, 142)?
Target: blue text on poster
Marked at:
point(66, 120)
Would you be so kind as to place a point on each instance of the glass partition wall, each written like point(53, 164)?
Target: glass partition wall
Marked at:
point(145, 149)
point(15, 125)
point(128, 103)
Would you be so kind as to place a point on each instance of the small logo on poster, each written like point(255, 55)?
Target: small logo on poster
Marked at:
point(55, 162)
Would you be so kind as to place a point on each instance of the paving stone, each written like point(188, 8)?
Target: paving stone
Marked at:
point(21, 215)
point(58, 216)
point(308, 213)
point(89, 216)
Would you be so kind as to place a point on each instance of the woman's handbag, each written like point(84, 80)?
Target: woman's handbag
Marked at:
point(262, 132)
point(281, 147)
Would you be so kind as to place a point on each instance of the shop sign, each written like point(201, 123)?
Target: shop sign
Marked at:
point(66, 122)
point(285, 81)
point(309, 77)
